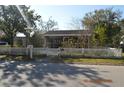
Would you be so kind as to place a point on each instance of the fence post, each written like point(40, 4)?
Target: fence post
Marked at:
point(82, 50)
point(120, 52)
point(30, 47)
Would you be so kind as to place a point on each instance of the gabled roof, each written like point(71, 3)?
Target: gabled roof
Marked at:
point(68, 33)
point(20, 34)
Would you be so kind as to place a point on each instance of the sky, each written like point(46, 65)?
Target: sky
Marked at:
point(64, 14)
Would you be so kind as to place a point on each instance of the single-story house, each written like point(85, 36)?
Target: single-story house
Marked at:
point(53, 39)
point(21, 38)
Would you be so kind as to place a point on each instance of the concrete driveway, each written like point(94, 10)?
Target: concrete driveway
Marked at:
point(37, 74)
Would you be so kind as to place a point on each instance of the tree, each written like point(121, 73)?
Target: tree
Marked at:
point(121, 35)
point(105, 25)
point(48, 25)
point(100, 37)
point(11, 20)
point(69, 42)
point(75, 42)
point(75, 23)
point(37, 39)
point(122, 24)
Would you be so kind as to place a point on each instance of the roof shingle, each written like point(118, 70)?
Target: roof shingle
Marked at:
point(67, 32)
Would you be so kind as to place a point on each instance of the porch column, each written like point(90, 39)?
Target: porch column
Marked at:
point(45, 42)
point(88, 41)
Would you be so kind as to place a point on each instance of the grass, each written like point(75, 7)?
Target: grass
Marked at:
point(20, 58)
point(123, 54)
point(92, 61)
point(5, 46)
point(16, 58)
point(98, 61)
point(95, 61)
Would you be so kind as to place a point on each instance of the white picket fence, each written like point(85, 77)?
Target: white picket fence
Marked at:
point(89, 52)
point(13, 51)
point(47, 51)
point(107, 52)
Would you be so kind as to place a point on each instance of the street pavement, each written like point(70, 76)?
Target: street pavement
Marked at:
point(44, 74)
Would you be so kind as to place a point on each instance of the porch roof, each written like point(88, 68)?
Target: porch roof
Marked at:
point(68, 33)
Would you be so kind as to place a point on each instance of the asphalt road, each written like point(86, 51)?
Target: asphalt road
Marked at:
point(43, 74)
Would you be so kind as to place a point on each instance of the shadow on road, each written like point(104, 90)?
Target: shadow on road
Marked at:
point(45, 74)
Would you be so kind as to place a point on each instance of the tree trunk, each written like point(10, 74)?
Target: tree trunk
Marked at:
point(27, 39)
point(12, 42)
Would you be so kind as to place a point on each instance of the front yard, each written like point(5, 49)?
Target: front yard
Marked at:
point(96, 61)
point(55, 59)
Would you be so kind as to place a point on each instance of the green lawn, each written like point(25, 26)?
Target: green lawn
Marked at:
point(95, 61)
point(4, 46)
point(16, 58)
point(123, 54)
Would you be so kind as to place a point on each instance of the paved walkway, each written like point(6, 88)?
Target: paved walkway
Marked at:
point(36, 74)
